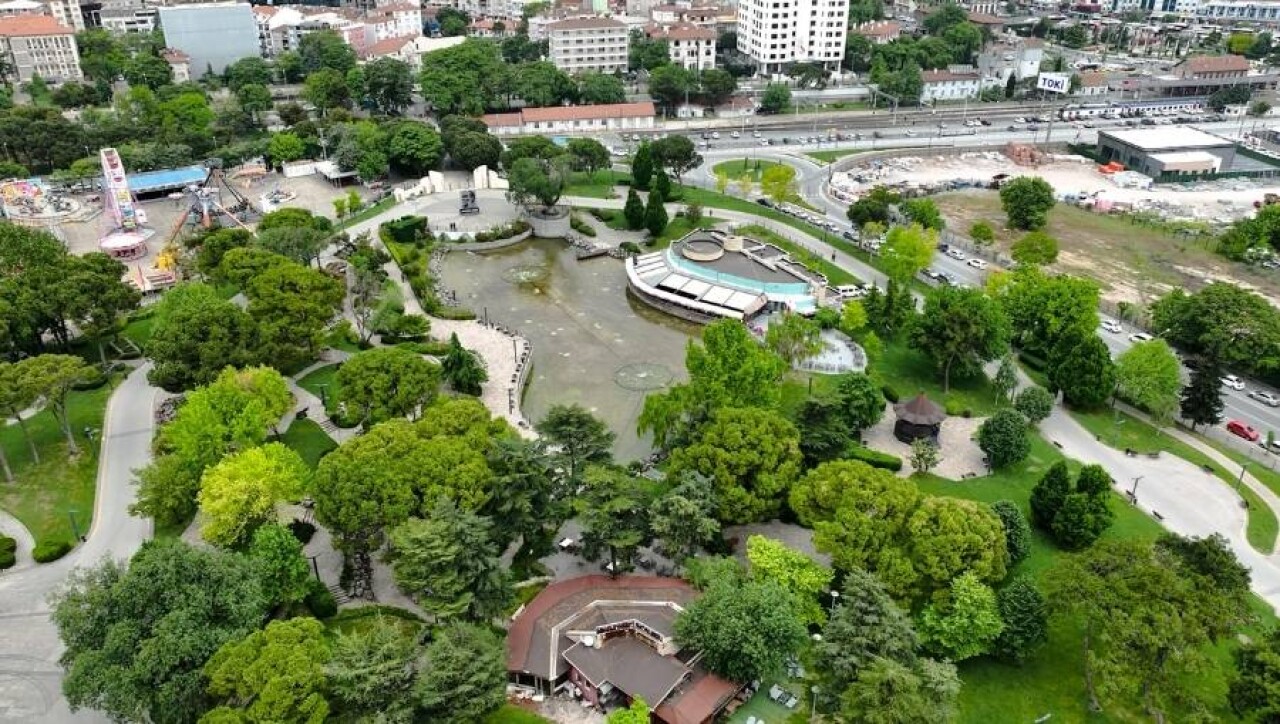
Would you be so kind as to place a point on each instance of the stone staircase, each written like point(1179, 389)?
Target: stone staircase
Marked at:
point(339, 595)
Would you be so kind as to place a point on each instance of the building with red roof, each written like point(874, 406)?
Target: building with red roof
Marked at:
point(39, 45)
point(574, 119)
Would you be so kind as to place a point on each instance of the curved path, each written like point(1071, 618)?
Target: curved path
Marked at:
point(30, 677)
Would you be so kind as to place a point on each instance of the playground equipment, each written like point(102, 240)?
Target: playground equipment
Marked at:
point(125, 238)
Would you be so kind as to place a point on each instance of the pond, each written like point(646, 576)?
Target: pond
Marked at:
point(592, 344)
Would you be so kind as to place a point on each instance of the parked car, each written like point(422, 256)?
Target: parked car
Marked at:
point(977, 263)
point(956, 254)
point(764, 202)
point(1272, 447)
point(1233, 382)
point(1140, 337)
point(850, 236)
point(1242, 429)
point(735, 134)
point(1112, 326)
point(1265, 398)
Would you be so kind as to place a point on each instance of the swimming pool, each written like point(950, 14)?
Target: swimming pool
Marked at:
point(165, 179)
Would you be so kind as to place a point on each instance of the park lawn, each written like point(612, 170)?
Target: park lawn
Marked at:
point(512, 714)
point(306, 438)
point(741, 167)
point(764, 709)
point(323, 383)
point(1123, 431)
point(596, 186)
point(1265, 475)
point(1052, 682)
point(909, 372)
point(139, 326)
point(365, 214)
point(836, 276)
point(359, 619)
point(44, 494)
point(676, 228)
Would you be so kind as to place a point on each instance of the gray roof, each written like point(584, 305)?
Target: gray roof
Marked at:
point(630, 665)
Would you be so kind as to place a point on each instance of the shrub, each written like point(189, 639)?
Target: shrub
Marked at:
point(630, 247)
point(8, 552)
point(605, 215)
point(954, 408)
point(1036, 363)
point(320, 601)
point(1036, 403)
point(433, 347)
point(406, 229)
point(581, 226)
point(302, 530)
point(1003, 437)
point(874, 458)
point(890, 394)
point(47, 551)
point(95, 380)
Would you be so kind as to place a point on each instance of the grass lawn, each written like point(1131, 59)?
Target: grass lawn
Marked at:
point(307, 439)
point(771, 712)
point(366, 213)
point(829, 156)
point(677, 228)
point(597, 186)
point(512, 714)
point(44, 494)
point(1265, 475)
point(1052, 681)
point(1122, 431)
point(361, 618)
point(323, 383)
point(834, 274)
point(138, 328)
point(909, 372)
point(737, 169)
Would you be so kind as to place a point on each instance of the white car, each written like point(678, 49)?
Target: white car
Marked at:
point(755, 134)
point(977, 264)
point(735, 134)
point(1140, 337)
point(1112, 326)
point(1233, 382)
point(1265, 398)
point(956, 254)
point(715, 135)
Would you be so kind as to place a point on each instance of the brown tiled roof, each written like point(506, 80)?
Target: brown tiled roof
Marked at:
point(19, 26)
point(1093, 80)
point(1215, 63)
point(586, 24)
point(985, 19)
point(496, 120)
point(388, 46)
point(683, 32)
point(264, 10)
point(939, 76)
point(920, 411)
point(881, 29)
point(697, 700)
point(584, 113)
point(173, 55)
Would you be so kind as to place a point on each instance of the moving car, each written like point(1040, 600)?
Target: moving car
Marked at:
point(1140, 337)
point(1233, 382)
point(956, 254)
point(1265, 398)
point(1241, 429)
point(1111, 326)
point(977, 264)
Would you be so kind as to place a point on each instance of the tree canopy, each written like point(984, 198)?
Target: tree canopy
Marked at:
point(1027, 201)
point(745, 630)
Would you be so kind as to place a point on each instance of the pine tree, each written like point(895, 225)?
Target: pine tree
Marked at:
point(634, 210)
point(1048, 494)
point(655, 214)
point(642, 167)
point(1202, 399)
point(662, 183)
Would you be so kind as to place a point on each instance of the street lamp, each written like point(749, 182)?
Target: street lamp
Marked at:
point(813, 707)
point(1134, 492)
point(324, 399)
point(835, 598)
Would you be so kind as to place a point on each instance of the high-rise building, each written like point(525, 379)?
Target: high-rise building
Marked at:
point(39, 45)
point(585, 44)
point(777, 33)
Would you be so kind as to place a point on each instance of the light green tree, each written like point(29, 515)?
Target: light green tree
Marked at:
point(51, 376)
point(273, 676)
point(967, 624)
point(807, 580)
point(907, 251)
point(779, 182)
point(448, 562)
point(387, 382)
point(637, 713)
point(1149, 375)
point(794, 337)
point(240, 493)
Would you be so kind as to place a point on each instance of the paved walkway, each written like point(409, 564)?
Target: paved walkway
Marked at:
point(14, 528)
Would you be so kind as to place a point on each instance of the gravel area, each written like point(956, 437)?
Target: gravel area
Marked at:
point(960, 453)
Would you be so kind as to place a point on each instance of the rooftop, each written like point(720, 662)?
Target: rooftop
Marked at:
point(879, 29)
point(584, 113)
point(1215, 63)
point(20, 26)
point(630, 665)
point(587, 24)
point(387, 46)
point(943, 76)
point(1175, 138)
point(682, 32)
point(1186, 157)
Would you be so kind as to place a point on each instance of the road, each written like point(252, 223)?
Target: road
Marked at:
point(30, 677)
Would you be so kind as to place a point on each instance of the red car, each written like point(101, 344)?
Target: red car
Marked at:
point(1236, 427)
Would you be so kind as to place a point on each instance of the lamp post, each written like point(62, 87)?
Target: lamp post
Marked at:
point(1134, 492)
point(324, 398)
point(75, 529)
point(1243, 467)
point(835, 598)
point(813, 706)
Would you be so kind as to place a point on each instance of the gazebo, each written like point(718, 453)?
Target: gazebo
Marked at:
point(921, 418)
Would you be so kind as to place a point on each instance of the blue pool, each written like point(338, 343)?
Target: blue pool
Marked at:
point(170, 178)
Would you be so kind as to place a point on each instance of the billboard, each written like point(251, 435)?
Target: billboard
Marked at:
point(1054, 82)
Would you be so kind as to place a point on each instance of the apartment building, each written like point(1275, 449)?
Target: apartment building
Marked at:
point(946, 85)
point(777, 33)
point(586, 44)
point(39, 45)
point(66, 12)
point(179, 64)
point(1264, 12)
point(691, 46)
point(281, 27)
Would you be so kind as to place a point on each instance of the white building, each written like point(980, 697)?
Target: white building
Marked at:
point(410, 49)
point(66, 12)
point(597, 44)
point(945, 85)
point(574, 119)
point(39, 45)
point(1020, 58)
point(1155, 7)
point(777, 34)
point(1266, 12)
point(179, 64)
point(688, 45)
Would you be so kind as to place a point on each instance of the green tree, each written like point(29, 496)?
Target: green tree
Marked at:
point(637, 713)
point(465, 79)
point(277, 554)
point(1255, 689)
point(389, 84)
point(596, 88)
point(1149, 375)
point(982, 233)
point(52, 376)
point(581, 438)
point(473, 150)
point(1027, 201)
point(745, 630)
point(1049, 493)
point(16, 395)
point(872, 207)
point(1017, 532)
point(633, 211)
point(588, 155)
point(751, 456)
point(1025, 616)
point(947, 537)
point(794, 338)
point(960, 329)
point(1234, 326)
point(413, 148)
point(1035, 403)
point(532, 179)
point(1081, 520)
point(541, 84)
point(136, 638)
point(778, 182)
point(292, 305)
point(240, 493)
point(924, 455)
point(1006, 379)
point(967, 625)
point(253, 99)
point(807, 580)
point(613, 508)
point(247, 71)
point(273, 675)
point(861, 402)
point(285, 147)
point(867, 626)
point(325, 49)
point(449, 564)
point(463, 675)
point(1004, 438)
point(1084, 372)
point(888, 692)
point(907, 250)
point(683, 519)
point(387, 382)
point(463, 369)
point(1036, 248)
point(924, 212)
point(1045, 310)
point(655, 214)
point(670, 85)
point(196, 334)
point(1202, 399)
point(824, 435)
point(776, 98)
point(642, 166)
point(327, 89)
point(371, 670)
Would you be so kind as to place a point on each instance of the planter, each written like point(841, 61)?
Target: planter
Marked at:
point(549, 224)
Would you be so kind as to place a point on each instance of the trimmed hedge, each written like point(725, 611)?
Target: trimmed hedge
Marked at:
point(406, 229)
point(95, 380)
point(8, 552)
point(890, 394)
point(581, 226)
point(1032, 361)
point(320, 601)
point(50, 551)
point(874, 458)
point(433, 347)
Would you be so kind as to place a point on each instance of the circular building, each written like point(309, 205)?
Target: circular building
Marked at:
point(919, 419)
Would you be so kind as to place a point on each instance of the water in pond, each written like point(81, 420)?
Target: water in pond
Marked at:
point(592, 344)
